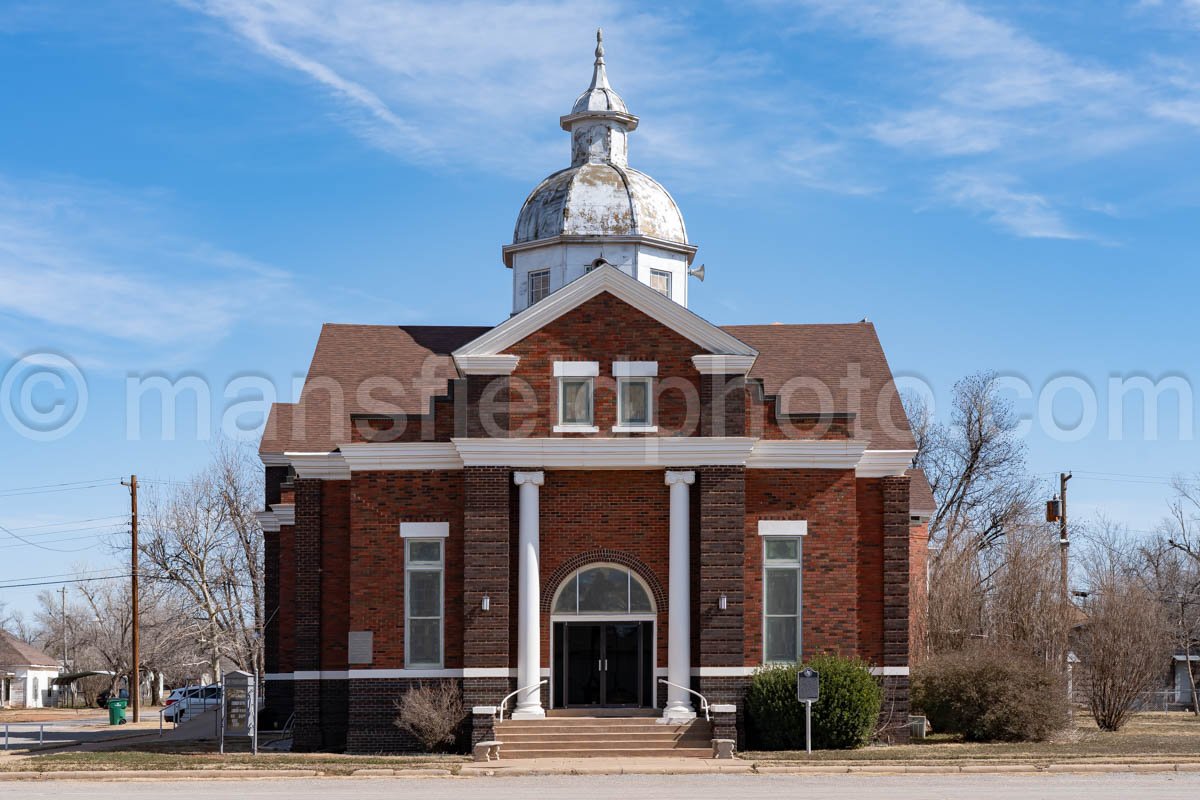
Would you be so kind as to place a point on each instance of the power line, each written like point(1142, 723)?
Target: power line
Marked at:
point(70, 522)
point(38, 545)
point(57, 485)
point(12, 493)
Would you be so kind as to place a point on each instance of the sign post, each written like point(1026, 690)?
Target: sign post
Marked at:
point(239, 715)
point(808, 691)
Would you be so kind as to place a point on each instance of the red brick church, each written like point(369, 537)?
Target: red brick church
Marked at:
point(604, 505)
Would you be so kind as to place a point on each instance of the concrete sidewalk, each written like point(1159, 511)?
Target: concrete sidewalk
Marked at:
point(623, 766)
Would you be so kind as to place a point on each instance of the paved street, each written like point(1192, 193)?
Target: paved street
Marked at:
point(1184, 786)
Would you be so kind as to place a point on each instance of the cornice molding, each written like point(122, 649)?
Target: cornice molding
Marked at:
point(609, 279)
point(885, 463)
point(285, 513)
point(370, 456)
point(605, 453)
point(806, 454)
point(320, 466)
point(685, 249)
point(708, 364)
point(268, 520)
point(486, 365)
point(273, 459)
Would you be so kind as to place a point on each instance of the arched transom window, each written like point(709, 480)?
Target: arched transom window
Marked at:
point(603, 589)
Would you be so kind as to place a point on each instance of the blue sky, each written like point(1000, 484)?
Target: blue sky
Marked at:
point(190, 189)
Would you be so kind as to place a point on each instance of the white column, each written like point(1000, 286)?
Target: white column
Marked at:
point(679, 620)
point(529, 634)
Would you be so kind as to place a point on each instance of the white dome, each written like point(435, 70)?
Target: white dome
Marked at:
point(599, 199)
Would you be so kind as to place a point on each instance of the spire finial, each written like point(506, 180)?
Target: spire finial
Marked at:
point(599, 75)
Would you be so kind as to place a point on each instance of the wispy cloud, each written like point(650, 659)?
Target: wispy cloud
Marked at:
point(100, 269)
point(997, 198)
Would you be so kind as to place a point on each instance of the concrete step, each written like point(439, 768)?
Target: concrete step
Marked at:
point(599, 729)
point(639, 739)
point(636, 752)
point(585, 722)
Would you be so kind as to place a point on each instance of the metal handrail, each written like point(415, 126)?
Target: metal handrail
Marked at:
point(703, 699)
point(511, 695)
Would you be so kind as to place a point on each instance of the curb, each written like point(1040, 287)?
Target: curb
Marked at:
point(703, 768)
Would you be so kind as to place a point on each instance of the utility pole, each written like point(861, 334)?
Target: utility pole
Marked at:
point(135, 678)
point(1063, 542)
point(63, 592)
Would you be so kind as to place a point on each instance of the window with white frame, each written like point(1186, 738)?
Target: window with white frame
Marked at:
point(576, 380)
point(635, 394)
point(660, 281)
point(424, 569)
point(782, 593)
point(539, 285)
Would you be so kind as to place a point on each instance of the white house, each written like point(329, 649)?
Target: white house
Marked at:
point(27, 673)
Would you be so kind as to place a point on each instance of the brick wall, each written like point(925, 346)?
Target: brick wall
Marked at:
point(918, 591)
point(372, 715)
point(826, 499)
point(896, 609)
point(379, 503)
point(606, 329)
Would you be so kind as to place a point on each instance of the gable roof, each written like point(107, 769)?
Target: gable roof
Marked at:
point(606, 278)
point(828, 355)
point(15, 653)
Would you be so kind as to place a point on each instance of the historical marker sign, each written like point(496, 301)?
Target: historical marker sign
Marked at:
point(808, 685)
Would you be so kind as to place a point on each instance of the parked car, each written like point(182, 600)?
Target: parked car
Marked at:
point(190, 701)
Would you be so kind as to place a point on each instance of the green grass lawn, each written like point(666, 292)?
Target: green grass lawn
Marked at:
point(1148, 737)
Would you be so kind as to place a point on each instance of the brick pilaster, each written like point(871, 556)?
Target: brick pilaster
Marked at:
point(722, 506)
point(487, 413)
point(895, 571)
point(722, 405)
point(896, 603)
point(486, 558)
point(307, 657)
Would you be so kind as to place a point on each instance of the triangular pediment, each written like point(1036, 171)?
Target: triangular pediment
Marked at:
point(606, 278)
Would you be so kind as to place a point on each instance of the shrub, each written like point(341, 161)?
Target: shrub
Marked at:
point(842, 718)
point(990, 694)
point(433, 713)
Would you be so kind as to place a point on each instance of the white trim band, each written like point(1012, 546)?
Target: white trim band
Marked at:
point(806, 454)
point(885, 463)
point(890, 672)
point(376, 456)
point(605, 453)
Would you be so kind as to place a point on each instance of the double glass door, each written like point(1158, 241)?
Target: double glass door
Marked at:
point(603, 664)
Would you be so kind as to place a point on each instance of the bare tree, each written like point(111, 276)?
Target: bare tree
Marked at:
point(989, 570)
point(1172, 559)
point(202, 537)
point(1123, 643)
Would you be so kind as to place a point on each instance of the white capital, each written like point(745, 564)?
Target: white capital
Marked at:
point(535, 478)
point(675, 477)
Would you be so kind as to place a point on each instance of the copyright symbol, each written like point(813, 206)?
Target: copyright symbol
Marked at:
point(43, 396)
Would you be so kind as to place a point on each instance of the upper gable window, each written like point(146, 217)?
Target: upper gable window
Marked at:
point(576, 381)
point(660, 281)
point(539, 285)
point(635, 395)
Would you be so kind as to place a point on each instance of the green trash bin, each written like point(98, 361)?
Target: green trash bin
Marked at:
point(116, 711)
